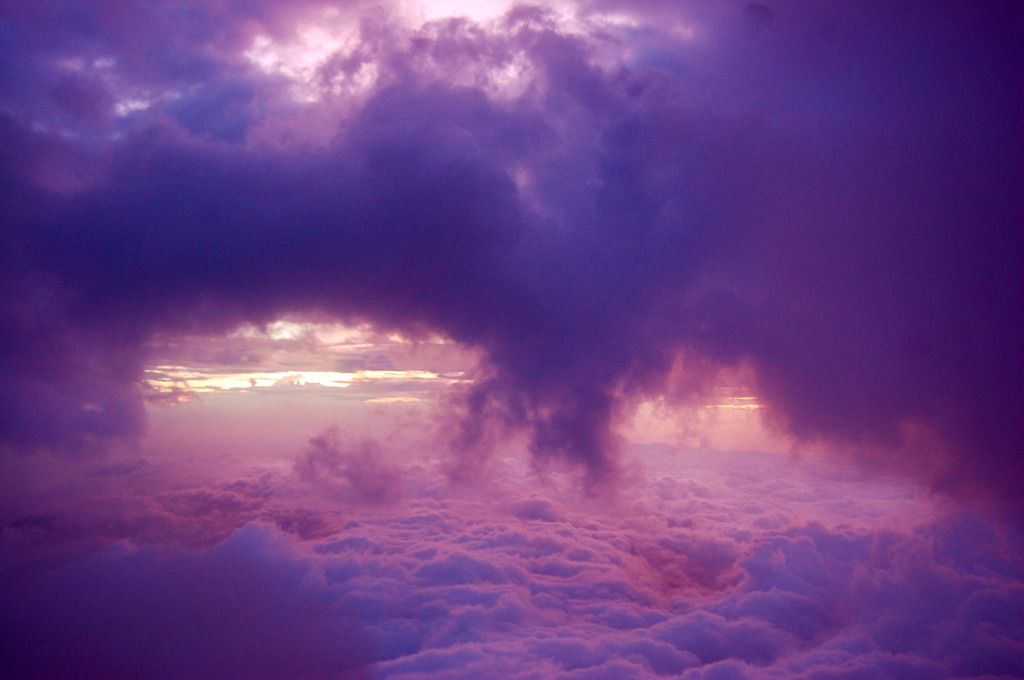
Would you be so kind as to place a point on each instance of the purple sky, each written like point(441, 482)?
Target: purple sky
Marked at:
point(577, 340)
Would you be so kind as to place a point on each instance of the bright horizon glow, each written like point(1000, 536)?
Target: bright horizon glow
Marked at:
point(289, 356)
point(297, 355)
point(164, 378)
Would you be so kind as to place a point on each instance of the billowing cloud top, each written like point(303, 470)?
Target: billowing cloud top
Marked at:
point(611, 201)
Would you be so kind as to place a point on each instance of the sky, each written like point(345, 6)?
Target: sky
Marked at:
point(581, 339)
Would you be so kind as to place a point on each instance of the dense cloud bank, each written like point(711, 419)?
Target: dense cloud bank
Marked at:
point(611, 205)
point(718, 565)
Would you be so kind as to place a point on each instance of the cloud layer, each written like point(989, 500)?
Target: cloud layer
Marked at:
point(713, 565)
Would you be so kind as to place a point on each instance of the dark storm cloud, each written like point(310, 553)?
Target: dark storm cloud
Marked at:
point(831, 196)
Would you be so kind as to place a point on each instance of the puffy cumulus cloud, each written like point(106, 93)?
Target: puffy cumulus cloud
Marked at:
point(715, 566)
point(592, 197)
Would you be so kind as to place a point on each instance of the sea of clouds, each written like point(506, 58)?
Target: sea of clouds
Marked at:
point(707, 564)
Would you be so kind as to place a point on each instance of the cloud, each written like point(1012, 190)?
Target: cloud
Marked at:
point(455, 585)
point(353, 471)
point(247, 608)
point(588, 202)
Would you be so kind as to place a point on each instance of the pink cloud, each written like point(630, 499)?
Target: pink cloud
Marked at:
point(450, 583)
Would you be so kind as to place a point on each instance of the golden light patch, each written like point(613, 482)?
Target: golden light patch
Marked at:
point(392, 400)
